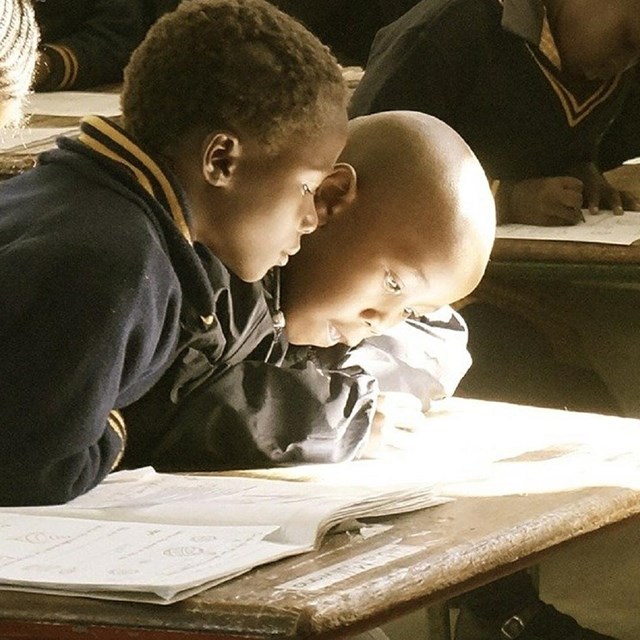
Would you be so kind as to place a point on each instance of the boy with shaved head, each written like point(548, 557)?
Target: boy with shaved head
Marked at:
point(407, 232)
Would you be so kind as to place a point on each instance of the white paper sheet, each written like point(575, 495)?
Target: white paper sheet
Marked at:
point(128, 556)
point(73, 103)
point(603, 227)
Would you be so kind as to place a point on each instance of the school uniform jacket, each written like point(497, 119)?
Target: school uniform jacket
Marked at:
point(121, 336)
point(287, 404)
point(490, 69)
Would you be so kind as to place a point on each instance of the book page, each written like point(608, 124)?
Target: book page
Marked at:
point(73, 555)
point(303, 512)
point(603, 227)
point(146, 536)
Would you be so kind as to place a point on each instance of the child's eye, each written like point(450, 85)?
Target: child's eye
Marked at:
point(306, 190)
point(392, 284)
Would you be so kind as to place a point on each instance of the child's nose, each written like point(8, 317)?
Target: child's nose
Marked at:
point(378, 320)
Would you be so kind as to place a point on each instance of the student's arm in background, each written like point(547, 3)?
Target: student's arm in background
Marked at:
point(96, 52)
point(540, 200)
point(586, 186)
point(622, 140)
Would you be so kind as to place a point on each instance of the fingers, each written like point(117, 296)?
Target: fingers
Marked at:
point(571, 198)
point(612, 200)
point(565, 196)
point(615, 203)
point(401, 411)
point(571, 184)
point(398, 416)
point(629, 201)
point(564, 217)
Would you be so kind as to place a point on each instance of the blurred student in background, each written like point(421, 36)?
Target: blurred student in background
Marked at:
point(18, 43)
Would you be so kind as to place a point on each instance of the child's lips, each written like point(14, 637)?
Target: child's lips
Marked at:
point(284, 256)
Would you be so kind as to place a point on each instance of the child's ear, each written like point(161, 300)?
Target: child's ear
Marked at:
point(221, 151)
point(336, 192)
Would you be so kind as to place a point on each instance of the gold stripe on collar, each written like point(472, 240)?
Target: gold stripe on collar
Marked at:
point(128, 145)
point(117, 424)
point(547, 44)
point(576, 112)
point(92, 143)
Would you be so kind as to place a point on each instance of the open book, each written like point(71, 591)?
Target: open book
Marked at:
point(151, 537)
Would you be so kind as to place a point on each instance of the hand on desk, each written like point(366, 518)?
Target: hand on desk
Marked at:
point(398, 417)
point(558, 201)
point(599, 194)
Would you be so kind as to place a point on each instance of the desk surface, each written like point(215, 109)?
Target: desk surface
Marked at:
point(457, 545)
point(353, 581)
point(557, 260)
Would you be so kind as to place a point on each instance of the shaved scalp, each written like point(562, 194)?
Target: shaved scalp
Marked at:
point(415, 171)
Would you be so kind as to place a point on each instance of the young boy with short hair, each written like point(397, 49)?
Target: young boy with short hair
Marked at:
point(114, 249)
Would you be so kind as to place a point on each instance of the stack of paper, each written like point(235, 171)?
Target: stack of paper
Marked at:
point(160, 538)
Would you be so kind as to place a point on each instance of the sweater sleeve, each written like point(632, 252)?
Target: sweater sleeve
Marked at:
point(317, 407)
point(258, 414)
point(97, 52)
point(81, 334)
point(622, 141)
point(426, 357)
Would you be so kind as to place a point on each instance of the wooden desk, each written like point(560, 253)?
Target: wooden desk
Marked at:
point(424, 558)
point(557, 260)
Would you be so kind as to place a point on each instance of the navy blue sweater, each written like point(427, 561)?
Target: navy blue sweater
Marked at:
point(93, 277)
